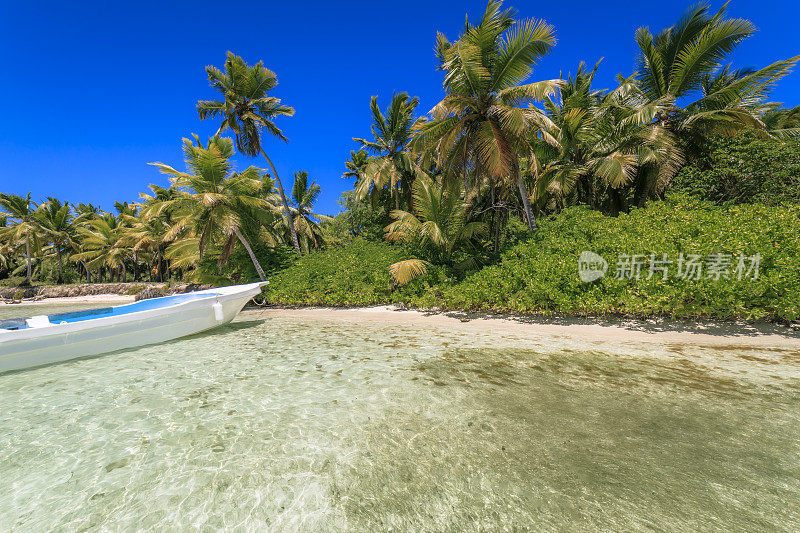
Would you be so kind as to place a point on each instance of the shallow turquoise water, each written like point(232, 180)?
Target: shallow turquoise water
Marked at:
point(311, 424)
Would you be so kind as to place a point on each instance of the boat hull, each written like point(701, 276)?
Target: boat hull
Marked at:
point(62, 342)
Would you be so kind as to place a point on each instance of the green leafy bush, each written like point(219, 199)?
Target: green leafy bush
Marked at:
point(744, 169)
point(353, 274)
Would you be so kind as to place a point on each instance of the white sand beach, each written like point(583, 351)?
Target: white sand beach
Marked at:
point(100, 299)
point(591, 330)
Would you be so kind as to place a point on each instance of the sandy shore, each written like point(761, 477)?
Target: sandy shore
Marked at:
point(113, 299)
point(600, 331)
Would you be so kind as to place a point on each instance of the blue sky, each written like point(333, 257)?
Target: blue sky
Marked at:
point(94, 91)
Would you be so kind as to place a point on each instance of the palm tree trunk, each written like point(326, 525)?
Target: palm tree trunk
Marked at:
point(28, 259)
point(526, 201)
point(252, 255)
point(640, 193)
point(617, 203)
point(60, 267)
point(124, 273)
point(289, 217)
point(495, 219)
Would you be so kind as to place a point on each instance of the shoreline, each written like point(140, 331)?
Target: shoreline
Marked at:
point(726, 335)
point(117, 299)
point(662, 331)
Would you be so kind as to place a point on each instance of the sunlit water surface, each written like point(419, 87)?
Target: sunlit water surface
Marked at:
point(311, 424)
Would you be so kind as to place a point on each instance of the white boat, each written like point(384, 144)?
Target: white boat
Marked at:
point(44, 339)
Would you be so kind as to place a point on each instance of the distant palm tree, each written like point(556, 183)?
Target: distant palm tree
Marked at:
point(56, 222)
point(6, 249)
point(84, 213)
point(148, 232)
point(393, 167)
point(305, 194)
point(247, 109)
point(439, 224)
point(24, 229)
point(103, 245)
point(211, 200)
point(356, 164)
point(683, 63)
point(485, 118)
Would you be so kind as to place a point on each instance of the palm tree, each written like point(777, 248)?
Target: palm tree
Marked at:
point(356, 164)
point(56, 223)
point(148, 232)
point(211, 201)
point(103, 245)
point(24, 229)
point(392, 167)
point(684, 63)
point(247, 109)
point(305, 195)
point(483, 122)
point(438, 225)
point(780, 122)
point(596, 144)
point(84, 213)
point(5, 247)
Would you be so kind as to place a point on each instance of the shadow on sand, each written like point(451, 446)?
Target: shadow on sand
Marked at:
point(654, 325)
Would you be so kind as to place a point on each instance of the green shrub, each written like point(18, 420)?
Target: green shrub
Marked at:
point(135, 289)
point(352, 274)
point(744, 169)
point(13, 281)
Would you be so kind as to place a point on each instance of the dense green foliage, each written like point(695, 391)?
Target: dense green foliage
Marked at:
point(745, 169)
point(354, 274)
point(540, 276)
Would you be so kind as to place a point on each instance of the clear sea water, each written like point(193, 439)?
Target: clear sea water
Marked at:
point(284, 424)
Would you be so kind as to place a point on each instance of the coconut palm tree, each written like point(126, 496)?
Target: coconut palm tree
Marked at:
point(483, 122)
point(392, 167)
point(24, 229)
point(5, 248)
point(438, 225)
point(780, 122)
point(681, 70)
point(304, 195)
point(597, 145)
point(356, 164)
point(103, 245)
point(84, 213)
point(211, 200)
point(247, 109)
point(148, 232)
point(56, 222)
